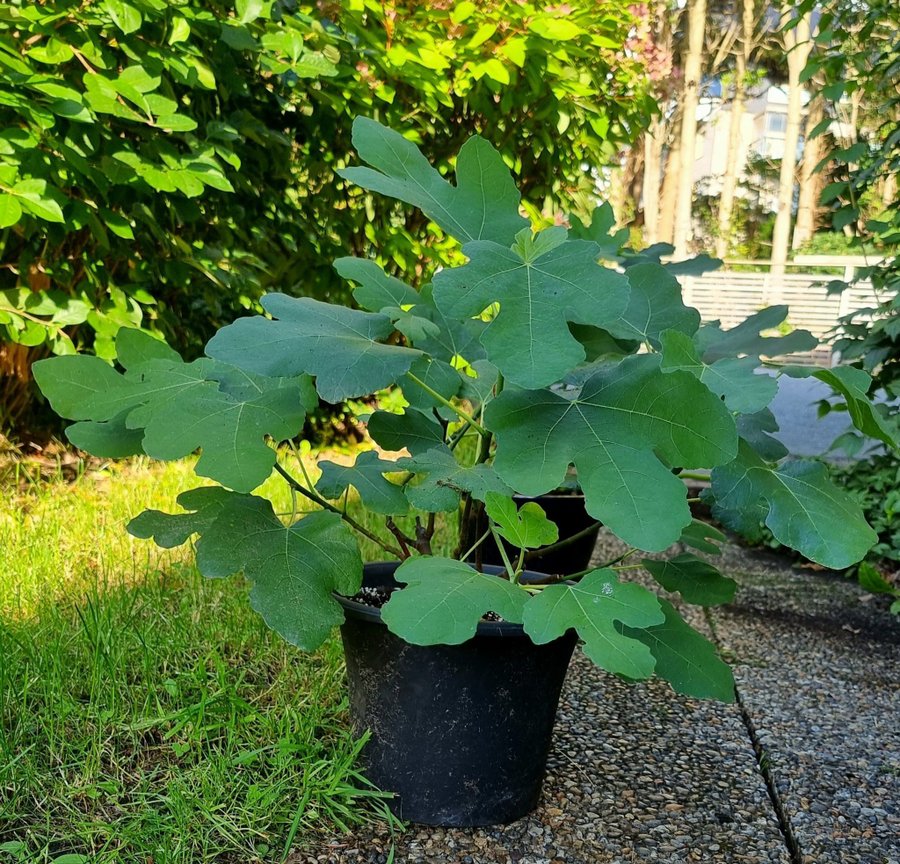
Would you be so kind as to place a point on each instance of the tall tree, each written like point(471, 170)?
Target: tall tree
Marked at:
point(810, 180)
point(670, 183)
point(657, 51)
point(752, 33)
point(690, 99)
point(796, 30)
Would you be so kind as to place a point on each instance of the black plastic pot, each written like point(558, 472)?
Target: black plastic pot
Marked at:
point(460, 733)
point(570, 516)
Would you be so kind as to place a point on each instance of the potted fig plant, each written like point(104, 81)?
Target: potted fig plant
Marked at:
point(546, 350)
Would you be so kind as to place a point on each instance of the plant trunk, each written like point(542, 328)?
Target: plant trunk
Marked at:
point(810, 181)
point(682, 232)
point(797, 44)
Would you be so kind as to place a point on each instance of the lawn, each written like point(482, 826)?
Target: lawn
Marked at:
point(147, 714)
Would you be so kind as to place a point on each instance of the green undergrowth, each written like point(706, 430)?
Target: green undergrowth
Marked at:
point(147, 714)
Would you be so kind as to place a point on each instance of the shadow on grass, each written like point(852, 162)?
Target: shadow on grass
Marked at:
point(164, 722)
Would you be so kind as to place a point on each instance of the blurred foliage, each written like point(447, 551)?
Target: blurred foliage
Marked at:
point(859, 59)
point(165, 162)
point(752, 219)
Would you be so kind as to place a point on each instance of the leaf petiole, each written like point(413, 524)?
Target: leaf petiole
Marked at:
point(475, 545)
point(447, 403)
point(513, 573)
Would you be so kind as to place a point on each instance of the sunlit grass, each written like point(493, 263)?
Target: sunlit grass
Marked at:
point(148, 714)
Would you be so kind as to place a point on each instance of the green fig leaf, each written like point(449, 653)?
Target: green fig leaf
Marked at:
point(444, 600)
point(600, 231)
point(528, 527)
point(734, 379)
point(798, 503)
point(654, 305)
point(377, 291)
point(696, 266)
point(173, 529)
point(436, 375)
point(625, 417)
point(703, 537)
point(180, 407)
point(111, 439)
point(341, 347)
point(540, 286)
point(483, 205)
point(697, 581)
point(684, 658)
point(592, 607)
point(293, 570)
point(366, 475)
point(715, 343)
point(72, 382)
point(440, 479)
point(134, 347)
point(756, 430)
point(455, 337)
point(413, 431)
point(853, 384)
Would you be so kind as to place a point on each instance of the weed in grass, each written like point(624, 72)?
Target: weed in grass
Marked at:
point(147, 714)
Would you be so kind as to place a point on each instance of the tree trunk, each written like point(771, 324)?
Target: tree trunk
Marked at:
point(653, 145)
point(670, 187)
point(797, 45)
point(682, 232)
point(729, 181)
point(810, 182)
point(618, 186)
point(888, 191)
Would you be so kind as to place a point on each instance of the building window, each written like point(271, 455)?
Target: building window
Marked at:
point(776, 123)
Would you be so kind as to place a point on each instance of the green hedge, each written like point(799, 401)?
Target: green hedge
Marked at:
point(165, 162)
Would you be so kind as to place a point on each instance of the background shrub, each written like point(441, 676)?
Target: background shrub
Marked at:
point(165, 162)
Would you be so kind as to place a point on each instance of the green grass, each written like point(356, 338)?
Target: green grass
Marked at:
point(147, 714)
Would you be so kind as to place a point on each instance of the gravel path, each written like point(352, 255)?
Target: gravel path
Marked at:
point(638, 773)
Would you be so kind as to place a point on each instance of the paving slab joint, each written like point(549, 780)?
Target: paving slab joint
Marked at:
point(762, 760)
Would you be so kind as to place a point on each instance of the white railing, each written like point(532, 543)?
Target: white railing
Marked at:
point(730, 295)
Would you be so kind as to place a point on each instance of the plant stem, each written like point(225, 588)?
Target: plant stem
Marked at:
point(621, 557)
point(446, 402)
point(627, 567)
point(402, 539)
point(458, 436)
point(306, 493)
point(562, 544)
point(691, 475)
point(513, 576)
point(475, 545)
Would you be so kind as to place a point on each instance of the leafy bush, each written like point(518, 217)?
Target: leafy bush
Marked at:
point(165, 163)
point(860, 58)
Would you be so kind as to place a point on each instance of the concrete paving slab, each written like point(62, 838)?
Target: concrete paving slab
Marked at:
point(816, 660)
